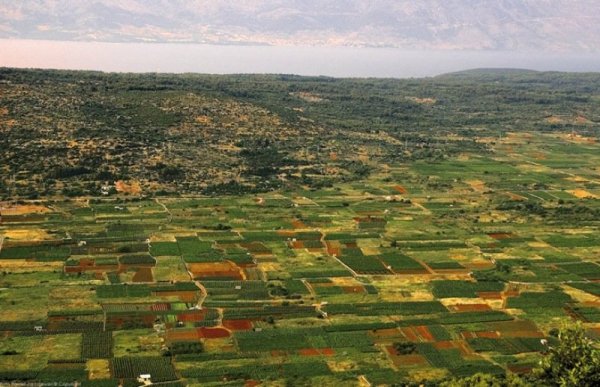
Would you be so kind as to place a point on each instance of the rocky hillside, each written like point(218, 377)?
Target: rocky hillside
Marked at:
point(71, 133)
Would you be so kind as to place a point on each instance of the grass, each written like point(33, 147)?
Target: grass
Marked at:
point(26, 356)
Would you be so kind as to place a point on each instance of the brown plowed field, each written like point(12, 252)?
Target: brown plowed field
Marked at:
point(213, 333)
point(238, 325)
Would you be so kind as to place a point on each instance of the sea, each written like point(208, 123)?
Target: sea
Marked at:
point(302, 60)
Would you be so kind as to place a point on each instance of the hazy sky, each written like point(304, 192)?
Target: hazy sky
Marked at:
point(303, 60)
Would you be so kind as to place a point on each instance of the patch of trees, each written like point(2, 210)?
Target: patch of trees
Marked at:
point(529, 207)
point(67, 172)
point(262, 157)
point(183, 347)
point(405, 348)
point(169, 173)
point(573, 361)
point(562, 211)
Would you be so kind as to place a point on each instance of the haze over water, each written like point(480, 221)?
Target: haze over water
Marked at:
point(302, 60)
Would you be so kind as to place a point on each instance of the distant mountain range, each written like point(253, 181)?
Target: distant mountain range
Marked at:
point(425, 24)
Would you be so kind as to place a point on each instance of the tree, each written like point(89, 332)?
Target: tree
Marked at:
point(574, 361)
point(487, 380)
point(405, 348)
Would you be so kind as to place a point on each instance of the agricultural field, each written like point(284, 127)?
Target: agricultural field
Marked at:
point(421, 269)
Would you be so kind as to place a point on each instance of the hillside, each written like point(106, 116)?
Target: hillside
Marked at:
point(72, 132)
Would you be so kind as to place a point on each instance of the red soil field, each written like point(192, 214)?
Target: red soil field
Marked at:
point(468, 335)
point(333, 248)
point(487, 334)
point(124, 267)
point(55, 322)
point(594, 332)
point(353, 289)
point(143, 274)
point(213, 333)
point(182, 335)
point(184, 296)
point(118, 322)
point(238, 325)
point(400, 189)
point(191, 316)
point(527, 334)
point(386, 332)
point(297, 244)
point(423, 331)
point(86, 262)
point(369, 220)
point(327, 351)
point(405, 360)
point(501, 235)
point(309, 352)
point(515, 197)
point(490, 295)
point(471, 307)
point(410, 334)
point(216, 269)
point(410, 360)
point(316, 352)
point(298, 224)
point(415, 271)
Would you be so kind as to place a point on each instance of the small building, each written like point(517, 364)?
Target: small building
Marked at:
point(146, 379)
point(105, 189)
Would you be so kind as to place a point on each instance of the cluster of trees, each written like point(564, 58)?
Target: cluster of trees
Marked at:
point(561, 211)
point(573, 362)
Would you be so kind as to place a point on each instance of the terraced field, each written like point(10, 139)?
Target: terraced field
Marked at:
point(424, 270)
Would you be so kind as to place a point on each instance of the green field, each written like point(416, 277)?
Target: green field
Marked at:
point(472, 254)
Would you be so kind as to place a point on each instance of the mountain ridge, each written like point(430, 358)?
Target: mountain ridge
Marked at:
point(430, 24)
